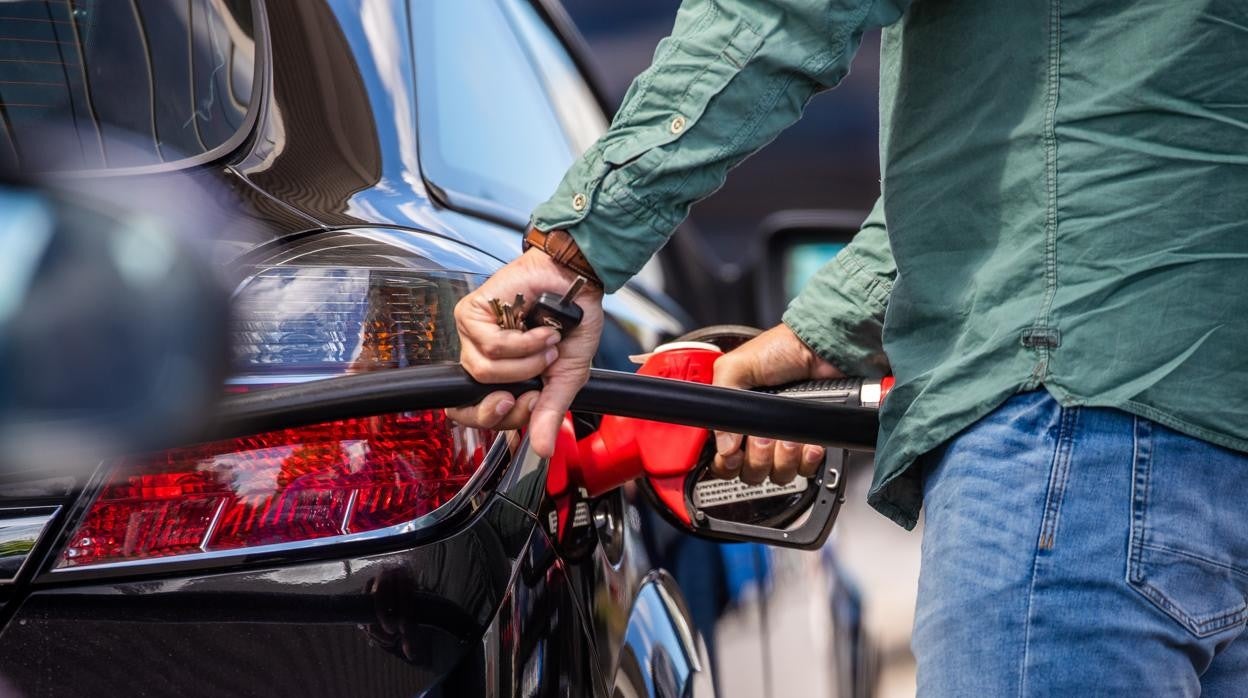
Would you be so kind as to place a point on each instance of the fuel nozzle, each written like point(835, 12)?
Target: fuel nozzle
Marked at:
point(672, 461)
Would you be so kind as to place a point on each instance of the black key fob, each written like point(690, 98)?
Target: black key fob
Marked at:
point(551, 310)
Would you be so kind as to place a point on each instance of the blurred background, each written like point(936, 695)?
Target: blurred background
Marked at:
point(829, 162)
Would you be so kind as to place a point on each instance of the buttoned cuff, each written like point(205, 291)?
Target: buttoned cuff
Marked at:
point(621, 234)
point(626, 195)
point(840, 316)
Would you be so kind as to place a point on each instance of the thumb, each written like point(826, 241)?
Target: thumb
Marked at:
point(552, 405)
point(737, 369)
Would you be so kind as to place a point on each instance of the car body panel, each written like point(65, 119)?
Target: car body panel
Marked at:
point(389, 623)
point(338, 141)
point(489, 606)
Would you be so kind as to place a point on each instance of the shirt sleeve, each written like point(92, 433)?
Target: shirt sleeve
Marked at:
point(840, 313)
point(732, 75)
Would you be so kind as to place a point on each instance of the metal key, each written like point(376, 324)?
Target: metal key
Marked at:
point(509, 316)
point(559, 312)
point(499, 316)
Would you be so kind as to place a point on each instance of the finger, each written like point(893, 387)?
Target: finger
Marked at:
point(504, 370)
point(727, 467)
point(812, 458)
point(520, 413)
point(485, 414)
point(552, 405)
point(493, 342)
point(758, 460)
point(498, 411)
point(726, 444)
point(473, 314)
point(786, 457)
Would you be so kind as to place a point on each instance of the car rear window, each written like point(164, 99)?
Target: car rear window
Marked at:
point(127, 84)
point(489, 135)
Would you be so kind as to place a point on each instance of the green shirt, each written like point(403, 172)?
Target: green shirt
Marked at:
point(1065, 184)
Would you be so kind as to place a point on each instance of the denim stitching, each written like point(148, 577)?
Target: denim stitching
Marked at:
point(1141, 468)
point(1198, 558)
point(1201, 626)
point(1061, 455)
point(1059, 473)
point(1180, 425)
point(1208, 617)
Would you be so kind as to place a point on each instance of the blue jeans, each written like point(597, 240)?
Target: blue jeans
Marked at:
point(1082, 551)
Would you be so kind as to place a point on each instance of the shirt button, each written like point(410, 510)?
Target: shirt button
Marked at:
point(677, 125)
point(578, 202)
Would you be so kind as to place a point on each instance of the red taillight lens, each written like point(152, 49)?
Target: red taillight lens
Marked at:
point(332, 479)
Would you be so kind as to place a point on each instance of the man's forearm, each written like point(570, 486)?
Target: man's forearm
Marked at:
point(733, 74)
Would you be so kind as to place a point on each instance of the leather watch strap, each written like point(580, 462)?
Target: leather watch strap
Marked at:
point(561, 248)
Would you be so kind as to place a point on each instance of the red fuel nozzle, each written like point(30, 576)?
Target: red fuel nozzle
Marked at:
point(625, 448)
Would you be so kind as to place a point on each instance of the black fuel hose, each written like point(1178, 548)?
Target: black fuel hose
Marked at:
point(607, 392)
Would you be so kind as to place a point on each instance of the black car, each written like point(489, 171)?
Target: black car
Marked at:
point(371, 161)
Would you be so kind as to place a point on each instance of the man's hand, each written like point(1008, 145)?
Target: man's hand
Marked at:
point(774, 357)
point(491, 354)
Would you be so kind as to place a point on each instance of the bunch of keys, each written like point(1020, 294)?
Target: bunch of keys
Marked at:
point(550, 310)
point(510, 316)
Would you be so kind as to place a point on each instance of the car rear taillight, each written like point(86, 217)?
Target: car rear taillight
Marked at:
point(310, 320)
point(324, 305)
point(333, 479)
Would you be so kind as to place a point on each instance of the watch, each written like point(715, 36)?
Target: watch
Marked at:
point(561, 248)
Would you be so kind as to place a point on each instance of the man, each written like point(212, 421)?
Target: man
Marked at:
point(1061, 243)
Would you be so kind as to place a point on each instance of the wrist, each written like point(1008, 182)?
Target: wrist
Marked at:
point(563, 250)
point(817, 365)
point(554, 274)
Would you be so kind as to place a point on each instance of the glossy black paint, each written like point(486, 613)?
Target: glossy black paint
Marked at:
point(481, 612)
point(338, 144)
point(485, 605)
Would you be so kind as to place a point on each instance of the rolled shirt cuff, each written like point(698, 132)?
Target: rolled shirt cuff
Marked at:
point(616, 232)
point(840, 316)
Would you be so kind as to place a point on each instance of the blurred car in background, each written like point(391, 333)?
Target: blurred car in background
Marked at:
point(369, 163)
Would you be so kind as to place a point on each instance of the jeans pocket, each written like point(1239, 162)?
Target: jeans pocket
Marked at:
point(1188, 546)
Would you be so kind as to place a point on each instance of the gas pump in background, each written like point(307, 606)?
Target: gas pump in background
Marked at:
point(671, 462)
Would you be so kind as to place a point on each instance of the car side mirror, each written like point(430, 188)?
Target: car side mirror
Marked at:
point(795, 245)
point(111, 329)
